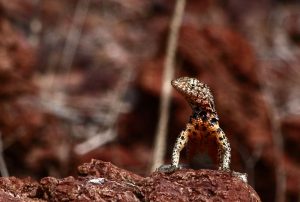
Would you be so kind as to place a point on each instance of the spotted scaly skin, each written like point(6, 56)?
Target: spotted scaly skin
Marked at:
point(204, 122)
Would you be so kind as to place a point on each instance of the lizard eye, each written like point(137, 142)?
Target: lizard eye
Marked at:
point(214, 120)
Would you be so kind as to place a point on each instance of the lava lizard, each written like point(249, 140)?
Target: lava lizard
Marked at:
point(203, 126)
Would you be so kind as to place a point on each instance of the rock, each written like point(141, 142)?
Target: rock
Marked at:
point(103, 181)
point(14, 189)
point(197, 185)
point(86, 189)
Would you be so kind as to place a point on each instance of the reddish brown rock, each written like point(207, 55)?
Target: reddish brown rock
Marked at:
point(14, 189)
point(105, 169)
point(197, 185)
point(86, 189)
point(103, 181)
point(17, 59)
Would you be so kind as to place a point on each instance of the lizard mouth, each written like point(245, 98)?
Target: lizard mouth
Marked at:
point(178, 84)
point(174, 83)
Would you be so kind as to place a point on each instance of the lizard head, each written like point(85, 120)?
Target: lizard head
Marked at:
point(196, 93)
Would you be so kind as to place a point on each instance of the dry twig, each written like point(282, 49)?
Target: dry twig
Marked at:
point(3, 167)
point(109, 134)
point(168, 74)
point(74, 34)
point(277, 137)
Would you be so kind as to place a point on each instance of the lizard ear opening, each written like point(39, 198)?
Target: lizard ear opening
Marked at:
point(203, 114)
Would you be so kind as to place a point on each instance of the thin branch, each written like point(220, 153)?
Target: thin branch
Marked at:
point(168, 74)
point(3, 167)
point(274, 115)
point(108, 135)
point(250, 160)
point(74, 34)
point(96, 141)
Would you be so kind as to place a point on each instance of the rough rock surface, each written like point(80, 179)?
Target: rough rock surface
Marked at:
point(102, 181)
point(86, 189)
point(14, 189)
point(197, 185)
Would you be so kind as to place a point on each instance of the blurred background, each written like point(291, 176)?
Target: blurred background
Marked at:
point(81, 79)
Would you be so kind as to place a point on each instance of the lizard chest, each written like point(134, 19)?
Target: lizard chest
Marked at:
point(201, 138)
point(200, 131)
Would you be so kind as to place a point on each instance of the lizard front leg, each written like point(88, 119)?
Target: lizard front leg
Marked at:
point(181, 141)
point(223, 150)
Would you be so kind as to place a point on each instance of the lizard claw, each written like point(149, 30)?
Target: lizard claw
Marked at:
point(241, 176)
point(224, 169)
point(168, 168)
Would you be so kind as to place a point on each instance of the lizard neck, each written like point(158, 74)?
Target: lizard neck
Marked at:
point(204, 115)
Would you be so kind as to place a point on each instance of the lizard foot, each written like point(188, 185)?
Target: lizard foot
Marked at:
point(241, 176)
point(168, 168)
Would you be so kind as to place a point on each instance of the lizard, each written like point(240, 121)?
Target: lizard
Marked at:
point(203, 126)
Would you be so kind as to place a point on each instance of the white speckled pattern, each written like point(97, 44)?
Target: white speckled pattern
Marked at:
point(203, 123)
